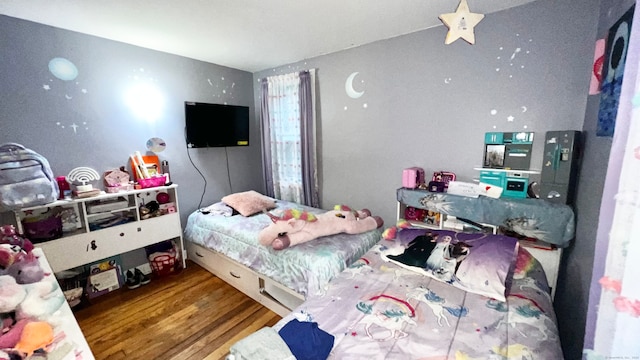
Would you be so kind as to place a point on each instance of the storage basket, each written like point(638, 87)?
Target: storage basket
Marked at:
point(163, 264)
point(152, 182)
point(42, 229)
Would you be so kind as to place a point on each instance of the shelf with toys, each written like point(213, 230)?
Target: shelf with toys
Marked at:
point(547, 227)
point(78, 231)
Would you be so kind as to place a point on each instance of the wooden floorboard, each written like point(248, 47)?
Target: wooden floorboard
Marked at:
point(192, 315)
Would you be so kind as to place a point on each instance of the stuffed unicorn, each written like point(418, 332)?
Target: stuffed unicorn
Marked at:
point(297, 227)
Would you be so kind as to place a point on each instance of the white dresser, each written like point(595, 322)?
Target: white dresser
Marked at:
point(83, 243)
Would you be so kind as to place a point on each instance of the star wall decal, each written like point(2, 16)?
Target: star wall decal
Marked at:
point(461, 24)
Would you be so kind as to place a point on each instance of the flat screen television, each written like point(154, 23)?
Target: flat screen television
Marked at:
point(216, 125)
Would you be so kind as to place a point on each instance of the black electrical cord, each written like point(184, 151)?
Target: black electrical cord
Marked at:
point(204, 189)
point(228, 170)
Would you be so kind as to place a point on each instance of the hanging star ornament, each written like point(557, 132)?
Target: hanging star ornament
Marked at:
point(461, 24)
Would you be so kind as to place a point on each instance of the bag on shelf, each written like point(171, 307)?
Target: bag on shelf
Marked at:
point(26, 178)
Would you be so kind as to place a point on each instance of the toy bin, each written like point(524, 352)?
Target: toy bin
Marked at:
point(162, 264)
point(41, 228)
point(152, 182)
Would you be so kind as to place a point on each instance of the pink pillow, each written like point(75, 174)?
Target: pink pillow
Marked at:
point(249, 202)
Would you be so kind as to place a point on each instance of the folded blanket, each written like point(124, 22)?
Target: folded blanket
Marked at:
point(264, 344)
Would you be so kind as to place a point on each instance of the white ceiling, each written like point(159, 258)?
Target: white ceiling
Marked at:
point(250, 35)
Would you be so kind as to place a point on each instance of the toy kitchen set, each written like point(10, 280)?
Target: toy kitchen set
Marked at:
point(507, 160)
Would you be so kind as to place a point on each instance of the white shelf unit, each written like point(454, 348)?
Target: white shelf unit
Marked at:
point(83, 242)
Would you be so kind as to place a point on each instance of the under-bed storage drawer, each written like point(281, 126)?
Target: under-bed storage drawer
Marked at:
point(231, 272)
point(277, 297)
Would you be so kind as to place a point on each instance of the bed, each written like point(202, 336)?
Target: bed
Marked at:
point(228, 247)
point(382, 308)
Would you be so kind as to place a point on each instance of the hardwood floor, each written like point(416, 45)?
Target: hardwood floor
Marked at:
point(192, 315)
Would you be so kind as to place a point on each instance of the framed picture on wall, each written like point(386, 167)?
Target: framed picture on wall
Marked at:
point(612, 73)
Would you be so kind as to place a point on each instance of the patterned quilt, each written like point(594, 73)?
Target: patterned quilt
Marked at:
point(304, 268)
point(376, 309)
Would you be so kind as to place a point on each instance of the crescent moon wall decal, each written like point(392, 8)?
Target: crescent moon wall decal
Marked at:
point(348, 86)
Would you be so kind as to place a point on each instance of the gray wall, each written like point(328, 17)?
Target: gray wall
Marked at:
point(108, 130)
point(572, 297)
point(428, 104)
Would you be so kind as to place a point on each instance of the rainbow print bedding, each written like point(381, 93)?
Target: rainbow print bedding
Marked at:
point(377, 309)
point(304, 268)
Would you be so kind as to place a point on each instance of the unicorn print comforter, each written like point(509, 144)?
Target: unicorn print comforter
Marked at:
point(376, 309)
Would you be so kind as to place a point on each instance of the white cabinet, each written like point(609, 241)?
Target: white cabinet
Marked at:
point(108, 224)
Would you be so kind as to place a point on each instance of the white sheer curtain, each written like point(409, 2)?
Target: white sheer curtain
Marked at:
point(613, 320)
point(288, 134)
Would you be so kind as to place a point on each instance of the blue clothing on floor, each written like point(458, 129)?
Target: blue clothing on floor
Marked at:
point(306, 340)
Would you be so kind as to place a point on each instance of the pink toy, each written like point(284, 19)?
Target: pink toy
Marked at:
point(284, 232)
point(412, 177)
point(11, 294)
point(25, 269)
point(9, 254)
point(390, 233)
point(10, 338)
point(9, 236)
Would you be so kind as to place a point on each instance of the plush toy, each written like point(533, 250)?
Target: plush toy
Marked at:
point(35, 335)
point(28, 315)
point(390, 233)
point(290, 230)
point(25, 269)
point(41, 302)
point(11, 294)
point(9, 254)
point(8, 235)
point(10, 355)
point(12, 333)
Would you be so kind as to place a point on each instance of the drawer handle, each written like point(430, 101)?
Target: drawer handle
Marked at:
point(139, 229)
point(92, 244)
point(121, 234)
point(198, 254)
point(234, 275)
